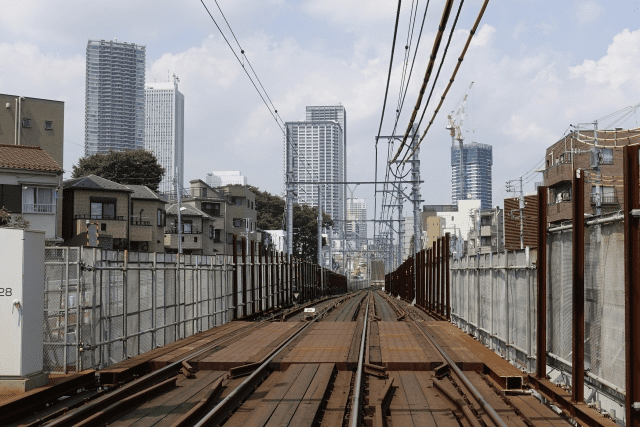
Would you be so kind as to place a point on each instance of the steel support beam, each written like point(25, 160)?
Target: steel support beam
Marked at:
point(234, 281)
point(447, 242)
point(632, 285)
point(577, 357)
point(541, 270)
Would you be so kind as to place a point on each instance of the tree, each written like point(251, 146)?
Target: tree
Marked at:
point(137, 167)
point(271, 216)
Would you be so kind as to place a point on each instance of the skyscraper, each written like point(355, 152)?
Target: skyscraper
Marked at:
point(114, 96)
point(164, 130)
point(319, 154)
point(477, 160)
point(357, 221)
point(336, 113)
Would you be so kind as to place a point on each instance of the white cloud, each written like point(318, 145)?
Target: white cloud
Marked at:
point(587, 12)
point(619, 67)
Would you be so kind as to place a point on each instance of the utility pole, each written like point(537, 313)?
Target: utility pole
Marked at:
point(319, 227)
point(289, 166)
point(415, 195)
point(511, 189)
point(176, 184)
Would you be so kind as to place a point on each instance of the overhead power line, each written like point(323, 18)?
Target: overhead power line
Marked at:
point(451, 80)
point(384, 104)
point(434, 52)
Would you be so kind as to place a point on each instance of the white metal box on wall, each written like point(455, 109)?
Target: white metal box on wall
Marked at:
point(21, 301)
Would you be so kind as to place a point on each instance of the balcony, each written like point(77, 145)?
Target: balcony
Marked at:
point(191, 230)
point(561, 171)
point(38, 208)
point(99, 217)
point(140, 222)
point(604, 200)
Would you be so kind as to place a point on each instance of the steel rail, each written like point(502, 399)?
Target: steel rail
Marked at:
point(355, 406)
point(147, 380)
point(222, 410)
point(485, 405)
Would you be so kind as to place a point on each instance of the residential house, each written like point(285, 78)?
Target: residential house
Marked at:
point(227, 211)
point(486, 234)
point(197, 232)
point(147, 220)
point(35, 122)
point(29, 185)
point(128, 217)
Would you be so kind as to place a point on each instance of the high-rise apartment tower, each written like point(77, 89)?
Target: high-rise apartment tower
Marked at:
point(319, 154)
point(477, 160)
point(114, 96)
point(357, 221)
point(164, 130)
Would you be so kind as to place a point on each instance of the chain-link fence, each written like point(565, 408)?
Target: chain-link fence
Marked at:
point(493, 296)
point(101, 308)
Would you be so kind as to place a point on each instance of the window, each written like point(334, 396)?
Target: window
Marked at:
point(195, 239)
point(26, 123)
point(606, 156)
point(11, 198)
point(103, 227)
point(211, 231)
point(48, 125)
point(238, 222)
point(103, 208)
point(162, 218)
point(216, 236)
point(38, 200)
point(212, 209)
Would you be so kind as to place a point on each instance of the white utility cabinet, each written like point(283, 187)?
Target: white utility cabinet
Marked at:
point(21, 301)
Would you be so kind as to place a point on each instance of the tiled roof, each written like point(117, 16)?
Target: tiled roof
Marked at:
point(144, 192)
point(24, 157)
point(94, 182)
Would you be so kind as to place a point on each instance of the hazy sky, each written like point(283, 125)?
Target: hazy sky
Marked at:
point(538, 66)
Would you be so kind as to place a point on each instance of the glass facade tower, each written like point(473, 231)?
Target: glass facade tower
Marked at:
point(114, 96)
point(477, 160)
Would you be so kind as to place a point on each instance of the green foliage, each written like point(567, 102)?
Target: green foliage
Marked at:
point(271, 216)
point(5, 218)
point(18, 220)
point(137, 167)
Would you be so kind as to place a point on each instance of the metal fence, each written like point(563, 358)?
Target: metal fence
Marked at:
point(604, 355)
point(101, 307)
point(493, 297)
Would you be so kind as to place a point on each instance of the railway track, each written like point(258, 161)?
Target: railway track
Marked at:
point(360, 360)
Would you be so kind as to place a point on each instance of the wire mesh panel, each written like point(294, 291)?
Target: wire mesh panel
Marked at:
point(493, 297)
point(100, 308)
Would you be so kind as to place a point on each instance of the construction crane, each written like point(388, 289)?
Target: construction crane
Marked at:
point(456, 120)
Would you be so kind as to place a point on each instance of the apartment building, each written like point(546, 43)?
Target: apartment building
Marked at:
point(599, 155)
